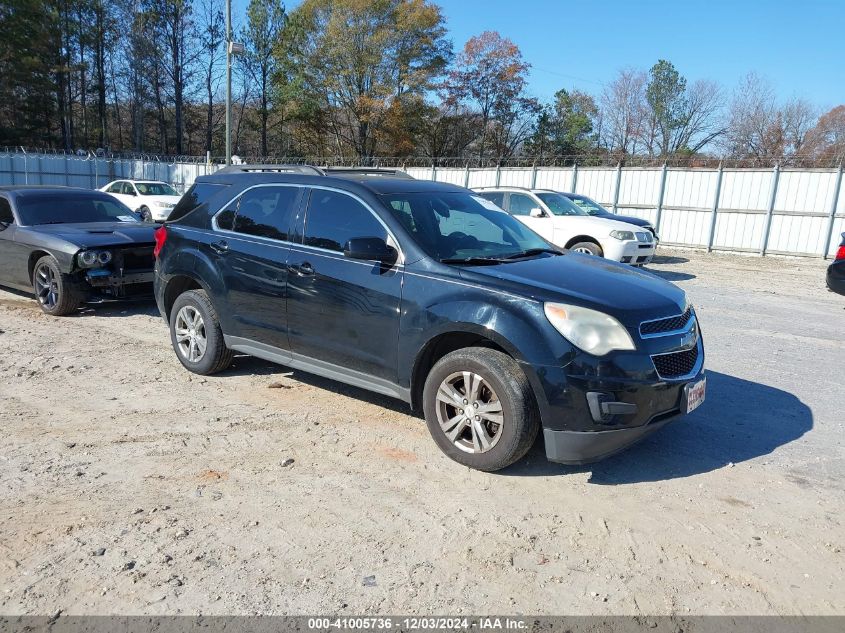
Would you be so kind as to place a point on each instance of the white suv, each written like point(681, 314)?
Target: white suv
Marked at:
point(563, 223)
point(153, 199)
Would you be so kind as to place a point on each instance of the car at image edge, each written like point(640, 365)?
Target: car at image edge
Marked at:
point(563, 223)
point(70, 246)
point(152, 199)
point(427, 292)
point(836, 270)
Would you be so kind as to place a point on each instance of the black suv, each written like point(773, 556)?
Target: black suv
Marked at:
point(429, 293)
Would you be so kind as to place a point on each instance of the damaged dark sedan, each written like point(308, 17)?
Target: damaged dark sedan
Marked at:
point(72, 246)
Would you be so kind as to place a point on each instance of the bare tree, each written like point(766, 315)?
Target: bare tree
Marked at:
point(754, 126)
point(798, 118)
point(623, 112)
point(701, 120)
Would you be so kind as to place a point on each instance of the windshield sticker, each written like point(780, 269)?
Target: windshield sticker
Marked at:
point(126, 218)
point(487, 204)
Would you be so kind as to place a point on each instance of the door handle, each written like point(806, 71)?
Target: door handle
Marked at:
point(304, 269)
point(220, 247)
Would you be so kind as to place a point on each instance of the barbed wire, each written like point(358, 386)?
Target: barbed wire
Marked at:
point(446, 162)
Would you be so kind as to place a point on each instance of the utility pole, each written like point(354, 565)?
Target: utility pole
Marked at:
point(228, 82)
point(232, 49)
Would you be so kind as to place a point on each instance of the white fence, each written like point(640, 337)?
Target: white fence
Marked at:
point(779, 211)
point(91, 172)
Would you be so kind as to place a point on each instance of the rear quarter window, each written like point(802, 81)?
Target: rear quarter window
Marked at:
point(198, 196)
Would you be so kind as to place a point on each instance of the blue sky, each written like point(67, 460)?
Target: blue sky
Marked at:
point(798, 46)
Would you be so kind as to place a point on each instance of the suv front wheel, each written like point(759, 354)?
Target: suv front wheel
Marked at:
point(196, 335)
point(480, 409)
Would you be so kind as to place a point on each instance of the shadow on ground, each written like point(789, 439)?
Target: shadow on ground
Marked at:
point(739, 421)
point(244, 365)
point(671, 275)
point(668, 259)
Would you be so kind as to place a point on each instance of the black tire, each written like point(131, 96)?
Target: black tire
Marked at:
point(146, 216)
point(591, 248)
point(520, 418)
point(216, 356)
point(58, 294)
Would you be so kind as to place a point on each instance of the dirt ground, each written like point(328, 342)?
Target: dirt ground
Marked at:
point(129, 486)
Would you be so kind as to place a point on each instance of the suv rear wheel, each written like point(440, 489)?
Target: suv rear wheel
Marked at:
point(196, 335)
point(480, 409)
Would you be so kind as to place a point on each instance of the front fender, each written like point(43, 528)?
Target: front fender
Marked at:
point(516, 324)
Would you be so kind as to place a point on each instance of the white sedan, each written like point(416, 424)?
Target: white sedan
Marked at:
point(153, 199)
point(561, 222)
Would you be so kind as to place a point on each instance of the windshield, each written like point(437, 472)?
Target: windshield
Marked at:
point(590, 207)
point(460, 226)
point(560, 205)
point(54, 208)
point(155, 189)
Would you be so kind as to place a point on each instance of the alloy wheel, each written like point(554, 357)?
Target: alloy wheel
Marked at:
point(191, 340)
point(469, 412)
point(46, 286)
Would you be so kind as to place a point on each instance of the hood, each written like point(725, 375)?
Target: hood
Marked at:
point(95, 234)
point(628, 294)
point(630, 219)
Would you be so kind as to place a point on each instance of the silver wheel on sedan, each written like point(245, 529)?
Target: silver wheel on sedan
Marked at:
point(469, 412)
point(191, 339)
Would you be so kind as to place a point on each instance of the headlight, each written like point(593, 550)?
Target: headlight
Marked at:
point(89, 259)
point(165, 205)
point(594, 332)
point(624, 236)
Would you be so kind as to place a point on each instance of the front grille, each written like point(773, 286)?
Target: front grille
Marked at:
point(676, 364)
point(669, 324)
point(139, 258)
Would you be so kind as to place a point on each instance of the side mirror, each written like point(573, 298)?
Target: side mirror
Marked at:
point(131, 193)
point(536, 212)
point(370, 249)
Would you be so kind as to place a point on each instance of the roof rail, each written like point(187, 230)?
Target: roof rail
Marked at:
point(367, 171)
point(308, 170)
point(503, 187)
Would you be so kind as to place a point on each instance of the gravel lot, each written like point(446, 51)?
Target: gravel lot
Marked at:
point(129, 486)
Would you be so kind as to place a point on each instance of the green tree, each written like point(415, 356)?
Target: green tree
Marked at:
point(565, 128)
point(27, 82)
point(666, 97)
point(265, 21)
point(347, 61)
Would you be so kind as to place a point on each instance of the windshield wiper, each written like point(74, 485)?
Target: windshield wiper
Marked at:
point(473, 260)
point(531, 252)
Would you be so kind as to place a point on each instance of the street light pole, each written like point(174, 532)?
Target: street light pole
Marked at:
point(228, 82)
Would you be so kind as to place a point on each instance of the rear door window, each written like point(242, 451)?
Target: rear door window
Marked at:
point(496, 197)
point(521, 204)
point(266, 212)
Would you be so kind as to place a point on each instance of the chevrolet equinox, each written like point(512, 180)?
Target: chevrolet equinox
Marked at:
point(429, 293)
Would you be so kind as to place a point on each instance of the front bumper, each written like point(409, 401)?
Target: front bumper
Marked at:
point(629, 252)
point(594, 407)
point(577, 447)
